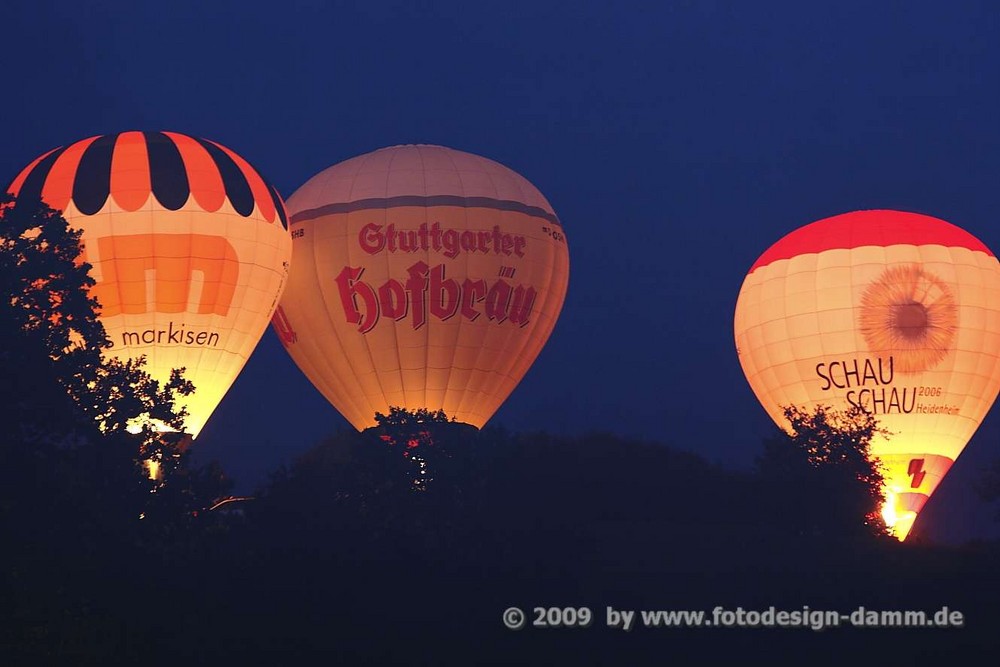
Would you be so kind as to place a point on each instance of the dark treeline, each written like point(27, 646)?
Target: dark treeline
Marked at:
point(403, 545)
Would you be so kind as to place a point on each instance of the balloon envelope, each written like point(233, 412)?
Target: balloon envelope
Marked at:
point(422, 277)
point(898, 313)
point(189, 247)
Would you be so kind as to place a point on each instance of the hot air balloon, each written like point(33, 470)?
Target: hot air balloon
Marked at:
point(189, 247)
point(897, 313)
point(422, 277)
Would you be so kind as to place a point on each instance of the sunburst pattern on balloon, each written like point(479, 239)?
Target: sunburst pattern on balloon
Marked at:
point(910, 315)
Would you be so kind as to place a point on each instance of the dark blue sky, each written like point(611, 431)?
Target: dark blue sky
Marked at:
point(676, 141)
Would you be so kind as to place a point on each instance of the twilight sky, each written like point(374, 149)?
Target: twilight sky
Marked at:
point(676, 141)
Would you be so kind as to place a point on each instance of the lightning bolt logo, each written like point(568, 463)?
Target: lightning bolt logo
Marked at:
point(916, 470)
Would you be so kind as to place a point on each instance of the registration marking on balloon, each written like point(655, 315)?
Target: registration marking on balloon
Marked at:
point(897, 313)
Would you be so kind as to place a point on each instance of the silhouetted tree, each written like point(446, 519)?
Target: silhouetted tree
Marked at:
point(402, 417)
point(822, 477)
point(400, 483)
point(50, 305)
point(83, 424)
point(78, 511)
point(344, 482)
point(427, 439)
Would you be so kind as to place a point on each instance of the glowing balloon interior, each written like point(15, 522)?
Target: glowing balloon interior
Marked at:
point(189, 248)
point(422, 277)
point(896, 312)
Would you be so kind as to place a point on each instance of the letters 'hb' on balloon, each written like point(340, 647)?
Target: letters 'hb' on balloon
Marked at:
point(898, 313)
point(189, 248)
point(422, 277)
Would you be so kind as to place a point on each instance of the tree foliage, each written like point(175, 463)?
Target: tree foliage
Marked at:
point(825, 479)
point(48, 286)
point(86, 424)
point(425, 438)
point(402, 417)
point(51, 310)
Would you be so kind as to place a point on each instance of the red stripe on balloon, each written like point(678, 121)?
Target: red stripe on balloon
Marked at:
point(130, 178)
point(870, 228)
point(15, 187)
point(257, 186)
point(58, 188)
point(203, 174)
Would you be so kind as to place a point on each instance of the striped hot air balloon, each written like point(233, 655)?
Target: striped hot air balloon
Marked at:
point(898, 313)
point(189, 247)
point(422, 277)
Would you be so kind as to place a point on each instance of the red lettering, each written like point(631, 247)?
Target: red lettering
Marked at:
point(436, 236)
point(390, 238)
point(468, 241)
point(448, 242)
point(416, 285)
point(498, 300)
point(427, 291)
point(450, 239)
point(408, 241)
point(283, 327)
point(446, 295)
point(508, 244)
point(524, 299)
point(474, 291)
point(371, 238)
point(519, 243)
point(350, 286)
point(422, 232)
point(392, 297)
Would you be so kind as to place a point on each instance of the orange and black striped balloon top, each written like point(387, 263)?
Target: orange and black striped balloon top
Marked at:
point(130, 166)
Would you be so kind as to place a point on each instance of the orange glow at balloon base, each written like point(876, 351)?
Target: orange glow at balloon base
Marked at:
point(899, 522)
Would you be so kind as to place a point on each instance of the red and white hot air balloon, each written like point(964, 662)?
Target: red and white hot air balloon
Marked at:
point(898, 313)
point(422, 277)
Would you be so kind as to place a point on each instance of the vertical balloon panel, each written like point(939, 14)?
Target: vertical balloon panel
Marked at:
point(189, 250)
point(422, 277)
point(894, 312)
